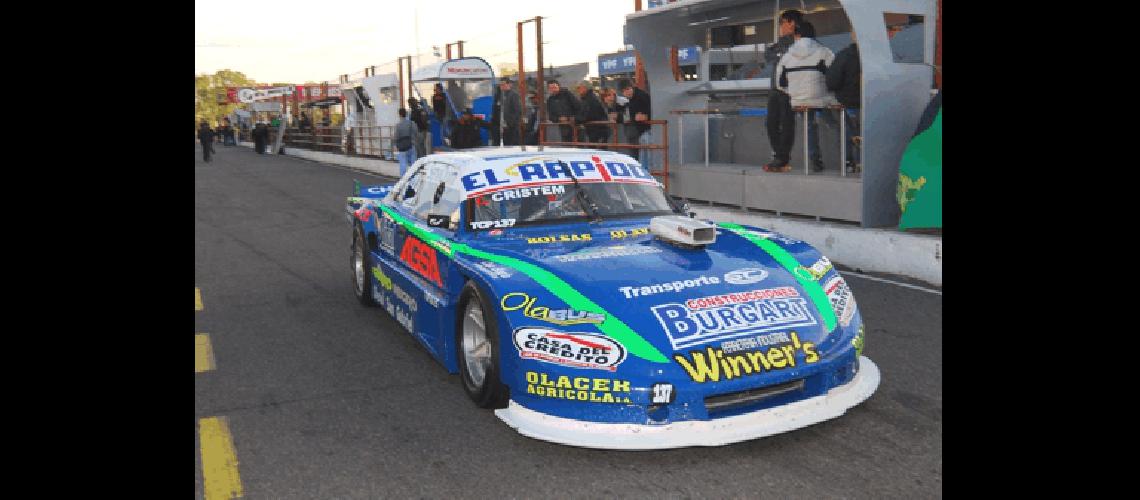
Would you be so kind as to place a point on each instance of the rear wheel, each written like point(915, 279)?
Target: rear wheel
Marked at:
point(361, 268)
point(477, 346)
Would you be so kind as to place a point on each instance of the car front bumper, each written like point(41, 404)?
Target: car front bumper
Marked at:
point(716, 432)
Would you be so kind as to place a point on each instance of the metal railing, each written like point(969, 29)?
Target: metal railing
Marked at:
point(802, 110)
point(363, 140)
point(316, 138)
point(614, 144)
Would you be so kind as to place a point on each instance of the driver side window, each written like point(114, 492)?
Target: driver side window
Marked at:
point(441, 196)
point(407, 192)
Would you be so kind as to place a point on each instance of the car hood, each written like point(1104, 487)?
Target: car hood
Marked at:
point(683, 307)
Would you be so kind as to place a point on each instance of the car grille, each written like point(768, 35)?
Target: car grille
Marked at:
point(724, 402)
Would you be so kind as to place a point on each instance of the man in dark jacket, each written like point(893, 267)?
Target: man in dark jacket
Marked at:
point(260, 137)
point(636, 110)
point(781, 122)
point(532, 119)
point(419, 117)
point(496, 116)
point(465, 132)
point(512, 113)
point(592, 111)
point(561, 107)
point(843, 78)
point(206, 137)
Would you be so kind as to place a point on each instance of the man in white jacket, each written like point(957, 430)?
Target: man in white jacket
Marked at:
point(802, 74)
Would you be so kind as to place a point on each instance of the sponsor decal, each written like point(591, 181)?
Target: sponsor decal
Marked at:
point(771, 236)
point(857, 342)
point(495, 232)
point(816, 271)
point(561, 238)
point(721, 317)
point(363, 213)
point(439, 220)
point(421, 258)
point(378, 190)
point(398, 313)
point(842, 302)
point(622, 233)
point(388, 235)
point(518, 300)
point(673, 286)
point(486, 224)
point(494, 270)
point(381, 278)
point(751, 343)
point(713, 364)
point(535, 172)
point(433, 300)
point(576, 350)
point(585, 389)
point(405, 298)
point(746, 276)
point(663, 393)
point(606, 252)
point(527, 192)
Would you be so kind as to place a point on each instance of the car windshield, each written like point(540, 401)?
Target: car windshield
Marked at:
point(554, 203)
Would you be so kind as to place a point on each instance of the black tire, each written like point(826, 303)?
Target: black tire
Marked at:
point(490, 391)
point(361, 285)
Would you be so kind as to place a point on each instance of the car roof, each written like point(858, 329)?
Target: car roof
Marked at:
point(490, 169)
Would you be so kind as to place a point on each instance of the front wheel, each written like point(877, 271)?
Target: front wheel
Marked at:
point(361, 274)
point(477, 346)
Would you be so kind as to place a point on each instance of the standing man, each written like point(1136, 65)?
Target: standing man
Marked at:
point(781, 122)
point(206, 137)
point(561, 107)
point(637, 110)
point(405, 141)
point(496, 116)
point(260, 134)
point(531, 138)
point(844, 79)
point(512, 112)
point(592, 111)
point(419, 117)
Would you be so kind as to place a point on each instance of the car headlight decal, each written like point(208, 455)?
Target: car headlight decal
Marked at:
point(612, 326)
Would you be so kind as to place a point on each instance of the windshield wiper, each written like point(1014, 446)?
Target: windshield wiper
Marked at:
point(581, 193)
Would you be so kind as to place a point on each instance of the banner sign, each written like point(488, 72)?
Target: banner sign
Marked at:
point(621, 62)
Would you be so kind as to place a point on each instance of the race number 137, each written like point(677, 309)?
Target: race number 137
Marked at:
point(663, 393)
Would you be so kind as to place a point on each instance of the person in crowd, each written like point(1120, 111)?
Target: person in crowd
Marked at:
point(637, 110)
point(511, 112)
point(206, 137)
point(260, 136)
point(844, 78)
point(561, 107)
point(405, 141)
point(439, 103)
point(532, 119)
point(465, 132)
point(326, 120)
point(496, 115)
point(226, 131)
point(802, 75)
point(781, 122)
point(419, 117)
point(306, 123)
point(592, 110)
point(244, 125)
point(275, 122)
point(613, 110)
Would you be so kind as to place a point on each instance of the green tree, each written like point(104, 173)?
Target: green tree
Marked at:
point(210, 94)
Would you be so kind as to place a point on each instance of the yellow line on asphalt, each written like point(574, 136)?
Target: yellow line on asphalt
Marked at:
point(197, 299)
point(203, 353)
point(219, 461)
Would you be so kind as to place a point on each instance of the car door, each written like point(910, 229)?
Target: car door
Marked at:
point(430, 199)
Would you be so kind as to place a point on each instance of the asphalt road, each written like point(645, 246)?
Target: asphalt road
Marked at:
point(325, 398)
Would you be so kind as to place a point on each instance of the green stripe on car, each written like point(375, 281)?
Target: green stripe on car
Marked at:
point(612, 326)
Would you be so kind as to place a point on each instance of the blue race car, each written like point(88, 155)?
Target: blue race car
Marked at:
point(576, 298)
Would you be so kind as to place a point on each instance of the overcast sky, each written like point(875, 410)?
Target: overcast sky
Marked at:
point(294, 41)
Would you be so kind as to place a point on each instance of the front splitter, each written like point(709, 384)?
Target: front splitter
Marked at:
point(716, 432)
